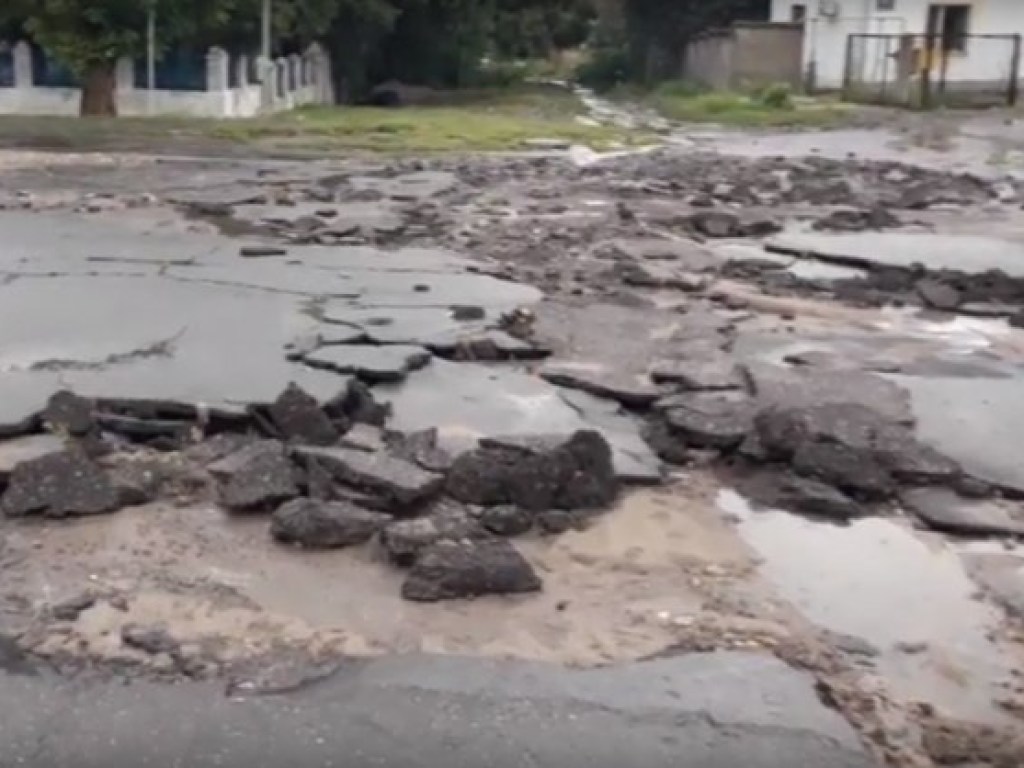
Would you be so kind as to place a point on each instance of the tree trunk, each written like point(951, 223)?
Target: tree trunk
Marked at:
point(99, 90)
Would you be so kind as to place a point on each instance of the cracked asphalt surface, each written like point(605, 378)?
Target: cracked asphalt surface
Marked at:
point(687, 625)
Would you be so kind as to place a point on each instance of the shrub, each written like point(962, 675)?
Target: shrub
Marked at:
point(604, 68)
point(776, 96)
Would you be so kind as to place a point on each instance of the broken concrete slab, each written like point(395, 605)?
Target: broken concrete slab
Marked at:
point(452, 570)
point(399, 484)
point(603, 381)
point(370, 363)
point(324, 524)
point(61, 484)
point(136, 482)
point(945, 510)
point(258, 477)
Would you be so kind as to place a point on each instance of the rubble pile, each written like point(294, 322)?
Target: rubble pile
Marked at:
point(328, 476)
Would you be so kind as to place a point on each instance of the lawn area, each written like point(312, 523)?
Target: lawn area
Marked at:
point(771, 107)
point(472, 120)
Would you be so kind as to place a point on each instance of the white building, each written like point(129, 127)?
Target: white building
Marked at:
point(962, 58)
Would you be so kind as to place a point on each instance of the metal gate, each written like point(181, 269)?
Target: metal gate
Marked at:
point(923, 71)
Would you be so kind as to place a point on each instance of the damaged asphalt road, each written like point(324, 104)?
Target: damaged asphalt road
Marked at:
point(662, 406)
point(419, 711)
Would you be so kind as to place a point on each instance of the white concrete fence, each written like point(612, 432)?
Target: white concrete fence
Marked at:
point(287, 83)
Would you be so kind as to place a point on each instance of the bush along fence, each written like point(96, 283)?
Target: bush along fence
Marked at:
point(214, 84)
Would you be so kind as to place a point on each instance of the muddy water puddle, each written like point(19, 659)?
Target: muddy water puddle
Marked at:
point(907, 594)
point(207, 575)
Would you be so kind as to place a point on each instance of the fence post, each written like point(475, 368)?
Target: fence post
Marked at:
point(22, 55)
point(125, 74)
point(1011, 97)
point(217, 76)
point(848, 68)
point(926, 74)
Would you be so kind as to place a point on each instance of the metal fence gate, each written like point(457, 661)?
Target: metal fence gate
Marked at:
point(923, 71)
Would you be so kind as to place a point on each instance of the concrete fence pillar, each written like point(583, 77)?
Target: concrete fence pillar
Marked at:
point(22, 55)
point(125, 74)
point(280, 78)
point(294, 72)
point(242, 68)
point(217, 75)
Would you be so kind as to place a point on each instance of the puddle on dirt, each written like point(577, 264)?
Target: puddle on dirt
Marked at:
point(207, 574)
point(879, 581)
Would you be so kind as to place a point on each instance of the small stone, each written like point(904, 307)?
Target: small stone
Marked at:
point(71, 608)
point(59, 485)
point(506, 520)
point(260, 251)
point(298, 416)
point(556, 521)
point(938, 295)
point(715, 223)
point(149, 639)
point(421, 288)
point(324, 524)
point(463, 312)
point(452, 570)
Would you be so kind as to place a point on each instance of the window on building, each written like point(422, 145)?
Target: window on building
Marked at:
point(798, 12)
point(950, 24)
point(885, 5)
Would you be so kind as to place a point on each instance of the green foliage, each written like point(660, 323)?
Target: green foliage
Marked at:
point(771, 106)
point(776, 96)
point(604, 68)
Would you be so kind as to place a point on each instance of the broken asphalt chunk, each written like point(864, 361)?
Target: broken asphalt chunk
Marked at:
point(403, 540)
point(631, 391)
point(450, 570)
point(537, 472)
point(718, 420)
point(70, 414)
point(59, 484)
point(298, 416)
point(324, 524)
point(371, 363)
point(255, 478)
point(398, 484)
point(946, 511)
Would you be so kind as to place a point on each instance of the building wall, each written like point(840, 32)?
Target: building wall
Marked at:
point(289, 82)
point(746, 54)
point(826, 37)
